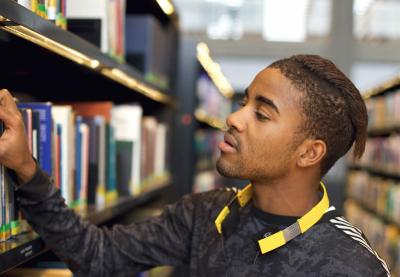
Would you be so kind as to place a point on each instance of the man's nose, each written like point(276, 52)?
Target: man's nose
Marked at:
point(237, 120)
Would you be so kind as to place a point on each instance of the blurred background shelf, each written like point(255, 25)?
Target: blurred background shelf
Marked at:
point(213, 122)
point(377, 170)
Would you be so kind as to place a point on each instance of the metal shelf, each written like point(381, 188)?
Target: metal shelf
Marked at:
point(21, 22)
point(388, 85)
point(20, 250)
point(124, 204)
point(213, 70)
point(384, 130)
point(363, 206)
point(213, 122)
point(27, 246)
point(377, 170)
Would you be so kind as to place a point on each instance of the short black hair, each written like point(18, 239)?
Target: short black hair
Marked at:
point(333, 108)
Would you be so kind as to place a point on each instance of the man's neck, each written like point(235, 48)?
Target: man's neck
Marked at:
point(286, 197)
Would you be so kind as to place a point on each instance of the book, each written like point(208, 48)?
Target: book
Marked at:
point(101, 186)
point(126, 121)
point(64, 117)
point(45, 133)
point(10, 217)
point(85, 139)
point(93, 174)
point(81, 164)
point(108, 162)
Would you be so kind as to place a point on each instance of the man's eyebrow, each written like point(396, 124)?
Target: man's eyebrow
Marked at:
point(266, 101)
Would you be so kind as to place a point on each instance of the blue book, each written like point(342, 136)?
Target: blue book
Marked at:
point(45, 143)
point(78, 160)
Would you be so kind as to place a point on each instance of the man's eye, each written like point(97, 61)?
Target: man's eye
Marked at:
point(261, 117)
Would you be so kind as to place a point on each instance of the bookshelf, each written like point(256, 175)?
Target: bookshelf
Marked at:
point(214, 104)
point(29, 245)
point(66, 52)
point(45, 63)
point(373, 183)
point(214, 92)
point(377, 170)
point(16, 252)
point(125, 204)
point(213, 122)
point(198, 120)
point(382, 88)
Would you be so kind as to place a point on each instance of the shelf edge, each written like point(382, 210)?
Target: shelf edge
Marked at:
point(113, 73)
point(213, 122)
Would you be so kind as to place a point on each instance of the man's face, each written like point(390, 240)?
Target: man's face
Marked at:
point(264, 133)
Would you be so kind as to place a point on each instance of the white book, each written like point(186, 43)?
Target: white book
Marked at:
point(126, 121)
point(92, 9)
point(160, 151)
point(84, 129)
point(63, 115)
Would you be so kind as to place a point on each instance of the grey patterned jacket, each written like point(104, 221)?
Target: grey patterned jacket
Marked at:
point(185, 234)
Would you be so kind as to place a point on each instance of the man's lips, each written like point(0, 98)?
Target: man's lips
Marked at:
point(229, 144)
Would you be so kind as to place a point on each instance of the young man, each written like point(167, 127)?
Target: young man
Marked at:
point(298, 117)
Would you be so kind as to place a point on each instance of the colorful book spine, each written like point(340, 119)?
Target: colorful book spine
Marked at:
point(92, 158)
point(78, 163)
point(45, 133)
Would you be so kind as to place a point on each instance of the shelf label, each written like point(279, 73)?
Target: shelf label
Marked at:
point(27, 251)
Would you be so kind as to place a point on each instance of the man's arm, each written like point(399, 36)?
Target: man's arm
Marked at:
point(89, 250)
point(120, 251)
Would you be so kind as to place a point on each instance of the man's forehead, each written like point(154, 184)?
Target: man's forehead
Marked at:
point(271, 83)
point(270, 80)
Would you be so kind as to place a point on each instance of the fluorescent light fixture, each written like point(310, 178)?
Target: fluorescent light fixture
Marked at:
point(285, 20)
point(166, 6)
point(233, 3)
point(229, 3)
point(361, 6)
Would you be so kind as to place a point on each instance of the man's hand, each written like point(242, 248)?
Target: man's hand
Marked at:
point(14, 149)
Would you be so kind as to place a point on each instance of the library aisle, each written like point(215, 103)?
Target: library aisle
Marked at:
point(125, 106)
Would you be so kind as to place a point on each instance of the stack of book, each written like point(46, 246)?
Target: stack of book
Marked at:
point(384, 237)
point(101, 22)
point(95, 152)
point(382, 153)
point(381, 195)
point(207, 153)
point(211, 101)
point(53, 10)
point(383, 111)
point(373, 188)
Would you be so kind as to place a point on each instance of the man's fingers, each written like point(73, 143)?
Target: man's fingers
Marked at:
point(7, 100)
point(9, 118)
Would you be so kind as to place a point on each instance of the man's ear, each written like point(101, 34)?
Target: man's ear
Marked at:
point(311, 152)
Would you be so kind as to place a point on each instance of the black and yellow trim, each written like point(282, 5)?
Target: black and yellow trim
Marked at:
point(280, 238)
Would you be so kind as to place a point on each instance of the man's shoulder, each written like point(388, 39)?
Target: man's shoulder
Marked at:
point(352, 249)
point(217, 196)
point(214, 199)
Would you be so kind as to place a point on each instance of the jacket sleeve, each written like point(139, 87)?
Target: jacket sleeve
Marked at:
point(120, 251)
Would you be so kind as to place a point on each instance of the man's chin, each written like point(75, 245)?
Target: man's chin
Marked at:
point(227, 170)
